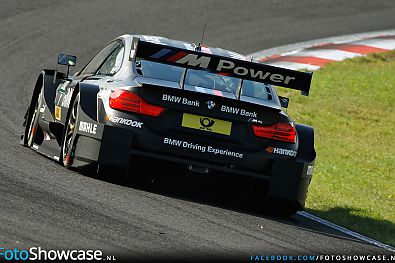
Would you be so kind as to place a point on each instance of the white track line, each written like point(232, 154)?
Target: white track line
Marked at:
point(292, 65)
point(379, 43)
point(347, 231)
point(332, 54)
point(297, 48)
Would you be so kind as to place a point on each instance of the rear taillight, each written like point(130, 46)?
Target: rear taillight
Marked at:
point(282, 131)
point(129, 101)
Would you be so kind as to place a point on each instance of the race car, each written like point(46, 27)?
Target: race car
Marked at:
point(207, 109)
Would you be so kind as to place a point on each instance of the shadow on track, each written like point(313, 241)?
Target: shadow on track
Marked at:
point(215, 189)
point(226, 191)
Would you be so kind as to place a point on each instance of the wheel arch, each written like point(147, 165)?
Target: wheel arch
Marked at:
point(88, 99)
point(50, 82)
point(86, 146)
point(37, 87)
point(306, 151)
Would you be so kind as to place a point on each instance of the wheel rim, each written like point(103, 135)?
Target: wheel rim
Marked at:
point(68, 138)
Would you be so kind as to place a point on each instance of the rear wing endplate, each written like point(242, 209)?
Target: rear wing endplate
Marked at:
point(223, 65)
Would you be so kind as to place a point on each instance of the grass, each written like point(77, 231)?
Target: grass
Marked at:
point(352, 108)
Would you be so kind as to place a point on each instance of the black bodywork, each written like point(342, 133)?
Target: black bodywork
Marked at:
point(108, 137)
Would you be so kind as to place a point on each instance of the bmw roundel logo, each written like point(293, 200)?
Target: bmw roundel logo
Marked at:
point(210, 104)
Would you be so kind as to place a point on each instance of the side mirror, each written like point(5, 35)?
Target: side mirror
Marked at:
point(67, 60)
point(284, 101)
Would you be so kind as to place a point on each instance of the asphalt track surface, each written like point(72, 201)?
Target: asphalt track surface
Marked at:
point(43, 204)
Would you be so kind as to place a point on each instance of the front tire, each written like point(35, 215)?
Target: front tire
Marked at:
point(31, 125)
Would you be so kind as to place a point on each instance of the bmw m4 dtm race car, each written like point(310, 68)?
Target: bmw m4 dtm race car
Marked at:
point(208, 109)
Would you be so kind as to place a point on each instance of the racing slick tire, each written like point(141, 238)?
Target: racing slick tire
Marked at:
point(133, 176)
point(261, 203)
point(139, 174)
point(32, 130)
point(280, 207)
point(256, 193)
point(111, 173)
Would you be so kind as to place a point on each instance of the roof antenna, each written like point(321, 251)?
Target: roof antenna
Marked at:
point(199, 47)
point(251, 57)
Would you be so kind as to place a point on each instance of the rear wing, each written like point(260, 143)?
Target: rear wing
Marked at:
point(223, 65)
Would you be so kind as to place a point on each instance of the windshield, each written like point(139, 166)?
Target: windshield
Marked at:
point(204, 81)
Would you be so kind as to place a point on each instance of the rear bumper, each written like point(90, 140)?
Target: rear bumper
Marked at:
point(288, 179)
point(119, 145)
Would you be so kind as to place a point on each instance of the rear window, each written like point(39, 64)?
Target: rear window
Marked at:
point(203, 80)
point(208, 80)
point(256, 90)
point(159, 70)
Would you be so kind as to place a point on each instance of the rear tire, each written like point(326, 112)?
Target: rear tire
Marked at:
point(280, 207)
point(140, 173)
point(257, 193)
point(69, 133)
point(260, 202)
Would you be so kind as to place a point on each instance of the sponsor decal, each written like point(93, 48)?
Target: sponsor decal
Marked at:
point(202, 61)
point(66, 99)
point(210, 104)
point(58, 112)
point(127, 122)
point(64, 95)
point(180, 100)
point(269, 149)
point(255, 121)
point(253, 73)
point(238, 111)
point(190, 59)
point(202, 148)
point(62, 87)
point(234, 66)
point(87, 127)
point(206, 124)
point(281, 151)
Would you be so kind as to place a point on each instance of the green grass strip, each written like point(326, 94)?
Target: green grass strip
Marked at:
point(352, 108)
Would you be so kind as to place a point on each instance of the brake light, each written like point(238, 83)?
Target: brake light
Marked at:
point(282, 131)
point(129, 101)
